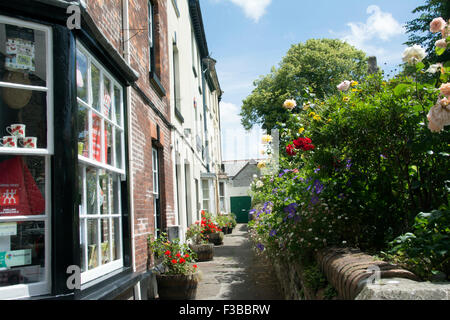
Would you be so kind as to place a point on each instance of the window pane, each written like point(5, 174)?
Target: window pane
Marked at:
point(23, 51)
point(109, 143)
point(116, 239)
point(82, 76)
point(116, 195)
point(119, 135)
point(91, 192)
point(83, 245)
point(83, 131)
point(23, 113)
point(106, 254)
point(107, 100)
point(22, 186)
point(96, 137)
point(104, 192)
point(95, 73)
point(92, 231)
point(118, 105)
point(22, 253)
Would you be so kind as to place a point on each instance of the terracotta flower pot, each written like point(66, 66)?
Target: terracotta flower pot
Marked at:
point(205, 252)
point(216, 238)
point(177, 287)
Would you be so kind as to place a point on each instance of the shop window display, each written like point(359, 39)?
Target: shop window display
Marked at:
point(25, 150)
point(100, 154)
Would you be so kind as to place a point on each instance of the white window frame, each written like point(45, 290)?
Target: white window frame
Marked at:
point(155, 177)
point(43, 287)
point(207, 194)
point(222, 198)
point(84, 162)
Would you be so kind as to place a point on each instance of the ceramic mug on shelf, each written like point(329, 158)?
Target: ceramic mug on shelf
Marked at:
point(17, 130)
point(29, 142)
point(8, 142)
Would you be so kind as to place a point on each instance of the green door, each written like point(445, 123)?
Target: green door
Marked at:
point(241, 206)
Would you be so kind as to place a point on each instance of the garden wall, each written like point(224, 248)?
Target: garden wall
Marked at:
point(346, 270)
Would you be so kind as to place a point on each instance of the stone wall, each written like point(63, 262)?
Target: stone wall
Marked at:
point(347, 271)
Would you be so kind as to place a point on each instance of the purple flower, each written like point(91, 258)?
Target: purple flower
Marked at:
point(274, 191)
point(291, 210)
point(349, 163)
point(260, 246)
point(272, 233)
point(252, 212)
point(383, 156)
point(294, 177)
point(341, 196)
point(317, 170)
point(314, 200)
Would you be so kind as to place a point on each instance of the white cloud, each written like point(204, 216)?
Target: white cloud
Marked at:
point(379, 25)
point(253, 9)
point(376, 36)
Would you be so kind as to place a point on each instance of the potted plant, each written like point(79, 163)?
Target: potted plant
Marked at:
point(177, 277)
point(222, 223)
point(212, 232)
point(199, 242)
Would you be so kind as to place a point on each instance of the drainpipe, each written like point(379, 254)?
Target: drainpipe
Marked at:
point(126, 55)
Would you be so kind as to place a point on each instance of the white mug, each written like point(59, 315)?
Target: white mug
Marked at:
point(17, 130)
point(29, 142)
point(9, 142)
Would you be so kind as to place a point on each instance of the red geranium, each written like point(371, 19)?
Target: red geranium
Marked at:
point(167, 253)
point(182, 260)
point(174, 261)
point(290, 150)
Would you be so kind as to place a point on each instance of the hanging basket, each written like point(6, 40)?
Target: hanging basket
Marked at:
point(177, 287)
point(205, 252)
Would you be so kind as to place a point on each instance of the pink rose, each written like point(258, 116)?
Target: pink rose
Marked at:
point(438, 118)
point(344, 86)
point(437, 25)
point(441, 43)
point(445, 89)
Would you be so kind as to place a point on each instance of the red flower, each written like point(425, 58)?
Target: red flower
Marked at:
point(174, 261)
point(182, 260)
point(290, 150)
point(178, 255)
point(186, 255)
point(167, 253)
point(304, 144)
point(195, 266)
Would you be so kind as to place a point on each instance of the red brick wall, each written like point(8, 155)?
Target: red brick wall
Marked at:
point(108, 16)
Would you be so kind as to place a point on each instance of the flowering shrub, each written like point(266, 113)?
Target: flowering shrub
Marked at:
point(200, 231)
point(175, 257)
point(359, 166)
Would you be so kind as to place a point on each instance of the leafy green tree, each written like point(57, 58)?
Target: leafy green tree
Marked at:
point(311, 69)
point(418, 29)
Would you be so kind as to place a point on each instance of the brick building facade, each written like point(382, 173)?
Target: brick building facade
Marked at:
point(107, 180)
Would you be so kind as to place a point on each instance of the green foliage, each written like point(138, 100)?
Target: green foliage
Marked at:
point(375, 166)
point(330, 292)
point(314, 278)
point(311, 69)
point(425, 250)
point(418, 29)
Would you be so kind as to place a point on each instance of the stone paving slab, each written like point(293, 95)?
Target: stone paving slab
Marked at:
point(236, 273)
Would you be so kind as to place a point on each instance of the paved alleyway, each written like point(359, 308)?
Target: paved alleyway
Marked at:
point(236, 273)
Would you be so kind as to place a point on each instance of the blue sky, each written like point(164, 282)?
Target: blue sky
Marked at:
point(248, 37)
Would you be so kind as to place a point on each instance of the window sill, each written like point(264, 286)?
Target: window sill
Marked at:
point(156, 84)
point(178, 115)
point(113, 286)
